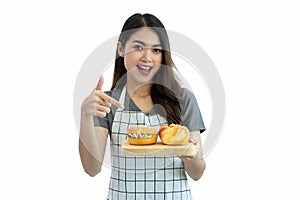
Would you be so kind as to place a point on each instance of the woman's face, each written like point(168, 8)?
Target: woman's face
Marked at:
point(142, 55)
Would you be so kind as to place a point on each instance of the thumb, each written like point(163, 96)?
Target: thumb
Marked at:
point(100, 83)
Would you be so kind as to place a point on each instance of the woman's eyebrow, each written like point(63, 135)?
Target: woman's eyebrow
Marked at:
point(144, 44)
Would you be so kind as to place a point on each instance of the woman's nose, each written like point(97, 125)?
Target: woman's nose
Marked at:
point(147, 56)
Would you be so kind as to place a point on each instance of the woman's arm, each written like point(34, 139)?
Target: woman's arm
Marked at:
point(92, 144)
point(195, 165)
point(92, 140)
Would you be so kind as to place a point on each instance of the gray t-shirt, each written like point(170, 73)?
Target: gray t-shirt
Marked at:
point(191, 115)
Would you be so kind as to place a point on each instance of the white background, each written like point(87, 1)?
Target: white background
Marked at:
point(254, 45)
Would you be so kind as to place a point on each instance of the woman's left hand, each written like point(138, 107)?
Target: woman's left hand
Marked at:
point(195, 140)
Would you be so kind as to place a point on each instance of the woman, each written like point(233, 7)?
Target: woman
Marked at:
point(144, 92)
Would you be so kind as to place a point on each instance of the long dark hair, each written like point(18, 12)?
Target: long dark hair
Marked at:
point(167, 94)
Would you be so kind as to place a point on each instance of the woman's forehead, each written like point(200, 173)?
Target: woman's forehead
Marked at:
point(145, 35)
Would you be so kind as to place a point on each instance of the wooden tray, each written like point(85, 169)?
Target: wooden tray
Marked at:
point(158, 149)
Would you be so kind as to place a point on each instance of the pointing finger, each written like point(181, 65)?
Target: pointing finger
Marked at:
point(100, 83)
point(117, 103)
point(111, 100)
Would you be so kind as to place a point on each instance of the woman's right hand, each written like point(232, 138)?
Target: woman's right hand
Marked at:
point(98, 103)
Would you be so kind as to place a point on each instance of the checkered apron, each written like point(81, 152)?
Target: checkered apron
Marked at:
point(143, 177)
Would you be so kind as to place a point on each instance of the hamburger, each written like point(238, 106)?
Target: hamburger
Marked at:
point(142, 135)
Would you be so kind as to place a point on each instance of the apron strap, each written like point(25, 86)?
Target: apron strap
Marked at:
point(122, 97)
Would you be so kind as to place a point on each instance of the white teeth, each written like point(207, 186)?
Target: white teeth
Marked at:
point(144, 68)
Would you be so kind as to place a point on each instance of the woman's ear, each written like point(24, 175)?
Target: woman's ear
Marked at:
point(120, 49)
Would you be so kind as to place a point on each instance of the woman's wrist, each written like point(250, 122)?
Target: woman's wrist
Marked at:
point(190, 158)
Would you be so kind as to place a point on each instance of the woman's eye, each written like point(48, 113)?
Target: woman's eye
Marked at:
point(156, 50)
point(138, 47)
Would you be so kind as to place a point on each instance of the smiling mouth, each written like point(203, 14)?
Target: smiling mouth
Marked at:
point(144, 68)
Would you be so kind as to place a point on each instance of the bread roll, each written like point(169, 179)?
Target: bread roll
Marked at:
point(142, 135)
point(174, 134)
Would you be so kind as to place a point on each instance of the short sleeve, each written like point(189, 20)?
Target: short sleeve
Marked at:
point(101, 121)
point(191, 115)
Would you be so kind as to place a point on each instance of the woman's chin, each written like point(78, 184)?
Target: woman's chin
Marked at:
point(140, 78)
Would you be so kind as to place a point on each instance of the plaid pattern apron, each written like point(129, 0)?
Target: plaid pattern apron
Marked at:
point(143, 177)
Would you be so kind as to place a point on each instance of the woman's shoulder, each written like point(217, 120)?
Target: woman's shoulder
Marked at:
point(187, 94)
point(188, 99)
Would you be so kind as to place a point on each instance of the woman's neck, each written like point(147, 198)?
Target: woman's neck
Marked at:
point(138, 90)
